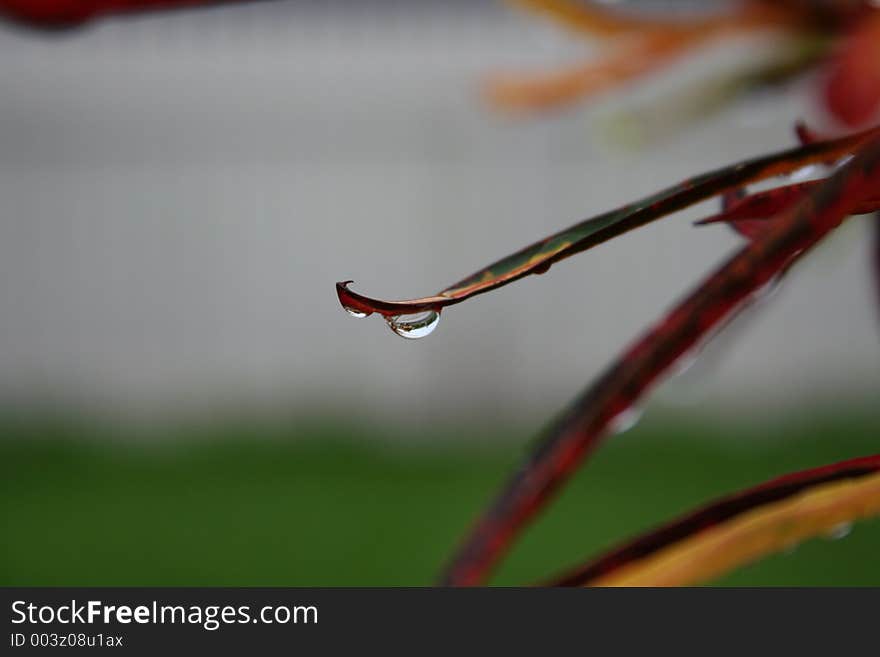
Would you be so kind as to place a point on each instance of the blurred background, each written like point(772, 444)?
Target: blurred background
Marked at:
point(182, 399)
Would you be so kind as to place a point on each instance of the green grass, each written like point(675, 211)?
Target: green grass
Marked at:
point(310, 503)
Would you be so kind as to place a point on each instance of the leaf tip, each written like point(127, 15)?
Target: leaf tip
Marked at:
point(350, 301)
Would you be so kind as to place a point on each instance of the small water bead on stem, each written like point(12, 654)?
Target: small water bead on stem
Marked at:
point(625, 420)
point(839, 531)
point(415, 325)
point(354, 312)
point(684, 363)
point(543, 268)
point(351, 306)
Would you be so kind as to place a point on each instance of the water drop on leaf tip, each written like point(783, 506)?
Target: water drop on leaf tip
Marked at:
point(416, 325)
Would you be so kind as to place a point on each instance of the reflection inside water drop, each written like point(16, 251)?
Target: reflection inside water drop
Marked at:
point(416, 325)
point(355, 313)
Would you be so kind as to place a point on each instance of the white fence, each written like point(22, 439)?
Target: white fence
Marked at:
point(180, 192)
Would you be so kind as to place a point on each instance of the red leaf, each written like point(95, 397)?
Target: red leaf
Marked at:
point(62, 13)
point(752, 215)
point(852, 90)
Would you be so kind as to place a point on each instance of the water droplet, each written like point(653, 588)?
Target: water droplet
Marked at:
point(685, 362)
point(839, 531)
point(355, 312)
point(416, 325)
point(543, 268)
point(625, 420)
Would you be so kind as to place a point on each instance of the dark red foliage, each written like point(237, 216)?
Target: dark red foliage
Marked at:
point(67, 13)
point(852, 89)
point(750, 215)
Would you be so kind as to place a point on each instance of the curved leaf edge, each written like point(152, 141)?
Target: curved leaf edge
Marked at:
point(642, 560)
point(538, 257)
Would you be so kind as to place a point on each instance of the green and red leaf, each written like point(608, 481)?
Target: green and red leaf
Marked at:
point(622, 387)
point(740, 528)
point(538, 257)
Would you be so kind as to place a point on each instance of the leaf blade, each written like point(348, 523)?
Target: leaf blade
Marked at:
point(646, 559)
point(537, 257)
